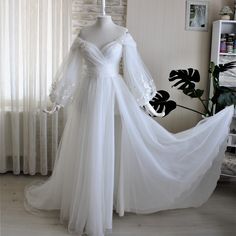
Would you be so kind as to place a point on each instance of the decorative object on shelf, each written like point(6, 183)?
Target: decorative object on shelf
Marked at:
point(225, 13)
point(234, 9)
point(196, 15)
point(228, 43)
point(223, 43)
point(234, 50)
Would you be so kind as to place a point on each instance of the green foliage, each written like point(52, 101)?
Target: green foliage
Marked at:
point(223, 96)
point(161, 103)
point(187, 80)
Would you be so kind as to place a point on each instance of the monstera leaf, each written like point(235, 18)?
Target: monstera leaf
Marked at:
point(193, 93)
point(161, 103)
point(187, 80)
point(224, 96)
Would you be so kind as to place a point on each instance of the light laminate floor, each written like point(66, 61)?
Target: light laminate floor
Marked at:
point(215, 218)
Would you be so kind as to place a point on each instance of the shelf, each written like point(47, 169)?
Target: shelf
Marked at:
point(226, 175)
point(227, 21)
point(228, 167)
point(228, 83)
point(227, 54)
point(231, 145)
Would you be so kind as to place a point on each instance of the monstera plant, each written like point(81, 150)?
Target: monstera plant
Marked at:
point(187, 81)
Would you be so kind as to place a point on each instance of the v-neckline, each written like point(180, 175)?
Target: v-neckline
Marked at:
point(105, 45)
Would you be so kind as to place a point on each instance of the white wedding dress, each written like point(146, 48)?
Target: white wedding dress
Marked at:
point(132, 166)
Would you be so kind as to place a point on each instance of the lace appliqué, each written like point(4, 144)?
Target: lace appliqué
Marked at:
point(66, 81)
point(58, 89)
point(146, 94)
point(52, 94)
point(149, 92)
point(137, 76)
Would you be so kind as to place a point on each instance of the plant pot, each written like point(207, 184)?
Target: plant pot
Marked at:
point(225, 17)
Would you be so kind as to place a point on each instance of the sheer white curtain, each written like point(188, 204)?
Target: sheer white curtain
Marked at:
point(34, 37)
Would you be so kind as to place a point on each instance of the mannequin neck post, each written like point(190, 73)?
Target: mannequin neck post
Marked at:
point(103, 20)
point(103, 7)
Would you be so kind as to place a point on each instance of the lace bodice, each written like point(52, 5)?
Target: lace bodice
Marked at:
point(104, 61)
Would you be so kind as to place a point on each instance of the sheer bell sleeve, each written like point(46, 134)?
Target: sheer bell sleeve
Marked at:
point(67, 77)
point(136, 75)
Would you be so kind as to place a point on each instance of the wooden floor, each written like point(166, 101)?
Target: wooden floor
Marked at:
point(215, 218)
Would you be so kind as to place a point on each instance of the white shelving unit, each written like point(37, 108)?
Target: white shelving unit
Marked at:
point(223, 27)
point(227, 79)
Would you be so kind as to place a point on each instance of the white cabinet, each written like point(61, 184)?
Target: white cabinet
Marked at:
point(223, 50)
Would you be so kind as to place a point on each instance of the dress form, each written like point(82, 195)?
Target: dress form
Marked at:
point(102, 32)
point(105, 31)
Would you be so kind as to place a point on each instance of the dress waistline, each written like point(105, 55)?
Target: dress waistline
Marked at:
point(105, 71)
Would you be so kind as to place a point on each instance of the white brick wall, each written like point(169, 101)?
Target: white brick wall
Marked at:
point(86, 11)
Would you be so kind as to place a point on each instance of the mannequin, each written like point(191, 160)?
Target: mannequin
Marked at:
point(102, 32)
point(126, 163)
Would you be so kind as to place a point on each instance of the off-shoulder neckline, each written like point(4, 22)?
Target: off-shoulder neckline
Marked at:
point(118, 39)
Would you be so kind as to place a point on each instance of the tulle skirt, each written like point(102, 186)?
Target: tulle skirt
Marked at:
point(112, 156)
